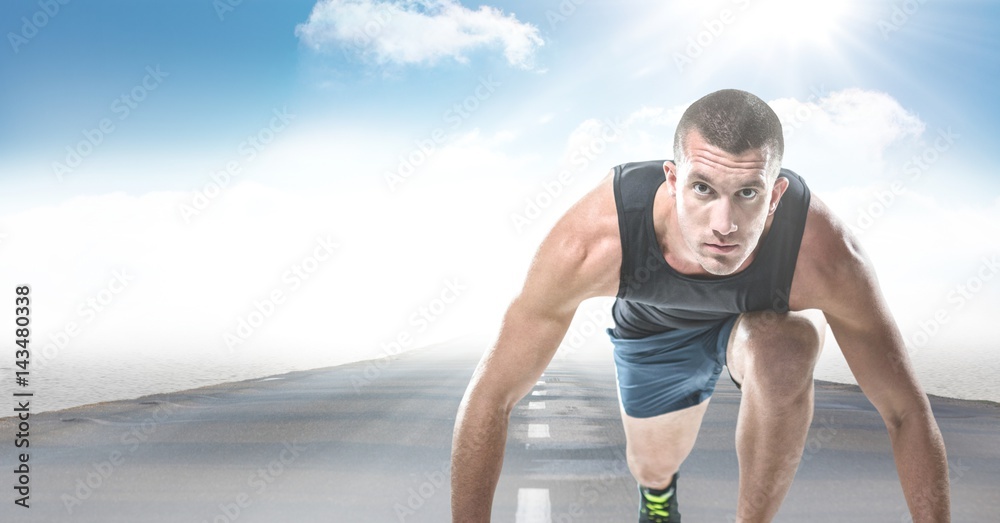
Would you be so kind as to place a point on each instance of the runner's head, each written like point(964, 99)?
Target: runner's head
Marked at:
point(727, 149)
point(734, 121)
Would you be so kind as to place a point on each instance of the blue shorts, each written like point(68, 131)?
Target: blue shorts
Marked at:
point(670, 370)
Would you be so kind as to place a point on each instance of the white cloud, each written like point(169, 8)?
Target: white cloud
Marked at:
point(854, 125)
point(865, 128)
point(417, 31)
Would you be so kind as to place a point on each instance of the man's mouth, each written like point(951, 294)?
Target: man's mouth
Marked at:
point(721, 248)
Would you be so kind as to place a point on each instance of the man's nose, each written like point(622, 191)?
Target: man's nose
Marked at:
point(722, 217)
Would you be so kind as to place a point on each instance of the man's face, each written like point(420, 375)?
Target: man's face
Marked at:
point(723, 201)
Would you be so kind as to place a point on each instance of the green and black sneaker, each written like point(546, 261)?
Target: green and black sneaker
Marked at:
point(659, 506)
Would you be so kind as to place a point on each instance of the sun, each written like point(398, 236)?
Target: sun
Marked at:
point(799, 23)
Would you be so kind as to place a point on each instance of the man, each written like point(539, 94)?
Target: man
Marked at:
point(719, 257)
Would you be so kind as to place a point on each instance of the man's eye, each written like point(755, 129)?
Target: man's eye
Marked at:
point(748, 193)
point(701, 188)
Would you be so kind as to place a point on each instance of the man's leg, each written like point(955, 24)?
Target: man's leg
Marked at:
point(772, 356)
point(665, 382)
point(655, 447)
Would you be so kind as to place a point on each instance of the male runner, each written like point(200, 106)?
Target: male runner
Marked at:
point(719, 257)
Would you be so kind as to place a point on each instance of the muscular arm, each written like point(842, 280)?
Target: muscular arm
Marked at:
point(873, 347)
point(527, 341)
point(567, 269)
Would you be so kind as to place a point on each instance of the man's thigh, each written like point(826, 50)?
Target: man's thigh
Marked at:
point(768, 337)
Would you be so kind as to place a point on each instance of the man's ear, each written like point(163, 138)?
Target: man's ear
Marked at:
point(670, 171)
point(780, 185)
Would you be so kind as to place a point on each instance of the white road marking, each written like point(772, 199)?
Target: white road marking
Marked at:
point(537, 383)
point(538, 393)
point(538, 430)
point(532, 405)
point(533, 506)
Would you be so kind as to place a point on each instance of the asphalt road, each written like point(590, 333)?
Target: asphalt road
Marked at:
point(367, 443)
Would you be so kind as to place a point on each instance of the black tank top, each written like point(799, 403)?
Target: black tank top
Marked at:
point(653, 297)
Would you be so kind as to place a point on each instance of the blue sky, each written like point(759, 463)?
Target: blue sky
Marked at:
point(505, 97)
point(225, 75)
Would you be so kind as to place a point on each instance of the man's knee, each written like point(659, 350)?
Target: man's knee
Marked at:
point(781, 351)
point(653, 465)
point(652, 475)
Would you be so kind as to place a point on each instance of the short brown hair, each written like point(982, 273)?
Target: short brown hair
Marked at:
point(734, 121)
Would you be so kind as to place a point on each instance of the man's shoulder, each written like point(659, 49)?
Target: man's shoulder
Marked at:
point(644, 164)
point(829, 255)
point(640, 167)
point(584, 245)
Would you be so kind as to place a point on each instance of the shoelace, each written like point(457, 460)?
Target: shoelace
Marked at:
point(657, 505)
